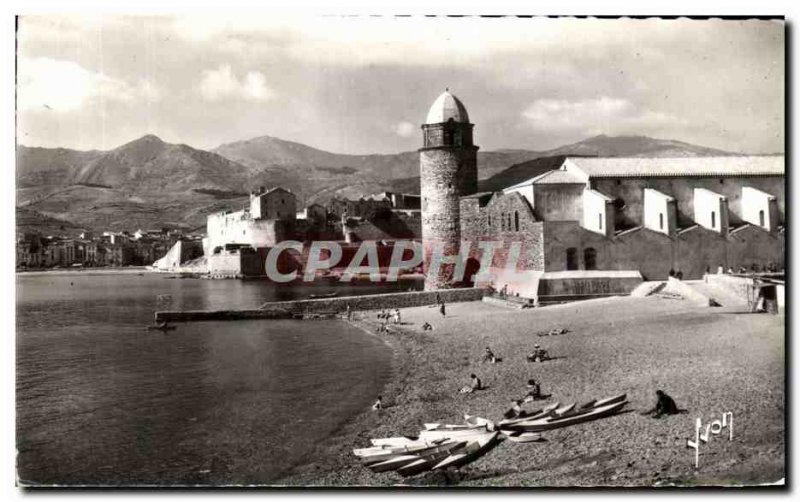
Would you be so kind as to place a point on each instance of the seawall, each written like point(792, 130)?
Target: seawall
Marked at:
point(294, 308)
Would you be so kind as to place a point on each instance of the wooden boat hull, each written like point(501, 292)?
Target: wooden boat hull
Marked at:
point(559, 422)
point(434, 435)
point(430, 454)
point(471, 452)
point(525, 437)
point(418, 451)
point(543, 413)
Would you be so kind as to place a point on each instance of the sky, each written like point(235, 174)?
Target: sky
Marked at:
point(363, 85)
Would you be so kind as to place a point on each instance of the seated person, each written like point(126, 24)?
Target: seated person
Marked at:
point(516, 409)
point(474, 385)
point(488, 356)
point(427, 327)
point(664, 406)
point(538, 354)
point(378, 404)
point(534, 391)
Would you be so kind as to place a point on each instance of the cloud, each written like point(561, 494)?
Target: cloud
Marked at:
point(404, 129)
point(222, 83)
point(596, 115)
point(64, 86)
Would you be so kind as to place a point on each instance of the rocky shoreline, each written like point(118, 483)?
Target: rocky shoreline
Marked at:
point(702, 357)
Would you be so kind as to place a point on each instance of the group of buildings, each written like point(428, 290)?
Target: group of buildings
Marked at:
point(108, 249)
point(586, 226)
point(592, 222)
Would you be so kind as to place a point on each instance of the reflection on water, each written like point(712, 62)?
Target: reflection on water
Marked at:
point(102, 401)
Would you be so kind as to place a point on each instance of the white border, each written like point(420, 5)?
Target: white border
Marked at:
point(791, 9)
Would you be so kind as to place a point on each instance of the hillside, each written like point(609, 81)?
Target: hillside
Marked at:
point(149, 182)
point(312, 165)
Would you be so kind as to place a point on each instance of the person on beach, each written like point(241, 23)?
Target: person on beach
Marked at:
point(441, 309)
point(438, 299)
point(516, 409)
point(488, 356)
point(474, 385)
point(378, 404)
point(538, 355)
point(349, 313)
point(476, 382)
point(396, 316)
point(534, 391)
point(427, 327)
point(664, 406)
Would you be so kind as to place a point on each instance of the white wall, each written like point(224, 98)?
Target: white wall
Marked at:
point(711, 210)
point(657, 211)
point(525, 190)
point(753, 203)
point(594, 212)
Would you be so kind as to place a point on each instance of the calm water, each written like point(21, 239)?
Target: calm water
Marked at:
point(102, 401)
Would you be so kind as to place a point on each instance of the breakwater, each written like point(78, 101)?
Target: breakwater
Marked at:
point(322, 306)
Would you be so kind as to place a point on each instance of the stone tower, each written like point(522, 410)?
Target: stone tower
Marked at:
point(448, 169)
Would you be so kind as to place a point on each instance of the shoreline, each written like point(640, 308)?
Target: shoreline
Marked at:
point(88, 271)
point(623, 450)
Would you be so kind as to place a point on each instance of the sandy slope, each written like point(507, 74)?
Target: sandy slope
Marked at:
point(709, 360)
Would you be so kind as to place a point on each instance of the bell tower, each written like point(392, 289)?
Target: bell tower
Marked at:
point(448, 165)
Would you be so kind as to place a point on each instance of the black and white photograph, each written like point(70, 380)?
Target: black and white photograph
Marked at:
point(396, 251)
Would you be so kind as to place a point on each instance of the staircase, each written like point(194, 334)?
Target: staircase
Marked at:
point(510, 302)
point(648, 288)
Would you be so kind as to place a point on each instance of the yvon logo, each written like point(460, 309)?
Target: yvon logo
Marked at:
point(714, 428)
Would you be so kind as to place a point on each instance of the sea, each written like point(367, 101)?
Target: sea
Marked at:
point(102, 401)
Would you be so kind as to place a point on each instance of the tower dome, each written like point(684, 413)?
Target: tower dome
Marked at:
point(447, 107)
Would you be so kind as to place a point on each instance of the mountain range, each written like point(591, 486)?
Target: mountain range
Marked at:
point(149, 183)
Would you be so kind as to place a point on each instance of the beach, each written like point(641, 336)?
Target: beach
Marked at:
point(710, 360)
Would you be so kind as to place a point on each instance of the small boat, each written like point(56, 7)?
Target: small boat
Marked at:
point(451, 427)
point(433, 435)
point(478, 421)
point(427, 462)
point(380, 456)
point(395, 444)
point(395, 441)
point(609, 400)
point(328, 295)
point(470, 422)
point(534, 415)
point(563, 410)
point(554, 422)
point(160, 327)
point(394, 463)
point(438, 453)
point(525, 437)
point(471, 452)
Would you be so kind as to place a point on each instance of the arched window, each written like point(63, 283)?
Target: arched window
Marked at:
point(713, 219)
point(516, 221)
point(661, 221)
point(589, 259)
point(761, 218)
point(572, 259)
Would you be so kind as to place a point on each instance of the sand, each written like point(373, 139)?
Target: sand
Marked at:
point(710, 360)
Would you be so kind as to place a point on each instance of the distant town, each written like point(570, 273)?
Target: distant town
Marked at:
point(228, 231)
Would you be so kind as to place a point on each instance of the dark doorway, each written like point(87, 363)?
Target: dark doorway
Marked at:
point(590, 259)
point(572, 259)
